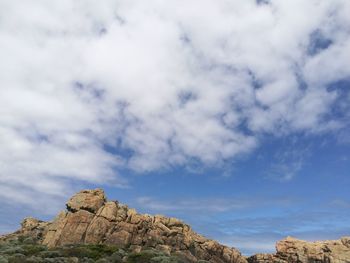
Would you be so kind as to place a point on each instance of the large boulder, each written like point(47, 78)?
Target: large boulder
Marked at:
point(89, 200)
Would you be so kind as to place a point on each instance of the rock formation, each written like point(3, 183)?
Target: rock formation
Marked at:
point(291, 250)
point(90, 218)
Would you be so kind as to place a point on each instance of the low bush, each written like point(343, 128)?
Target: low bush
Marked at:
point(152, 256)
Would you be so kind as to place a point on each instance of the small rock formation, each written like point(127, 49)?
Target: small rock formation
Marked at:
point(91, 219)
point(291, 250)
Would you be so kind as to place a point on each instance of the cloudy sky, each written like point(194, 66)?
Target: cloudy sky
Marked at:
point(232, 115)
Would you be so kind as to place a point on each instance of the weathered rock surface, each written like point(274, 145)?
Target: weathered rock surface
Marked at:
point(292, 250)
point(90, 218)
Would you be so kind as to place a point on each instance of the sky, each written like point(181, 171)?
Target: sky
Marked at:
point(233, 116)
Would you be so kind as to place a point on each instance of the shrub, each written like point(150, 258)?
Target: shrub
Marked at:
point(144, 256)
point(88, 251)
point(10, 250)
point(87, 260)
point(3, 259)
point(33, 259)
point(164, 259)
point(32, 249)
point(16, 258)
point(117, 257)
point(50, 254)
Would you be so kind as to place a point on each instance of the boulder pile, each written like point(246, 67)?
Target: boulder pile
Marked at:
point(291, 250)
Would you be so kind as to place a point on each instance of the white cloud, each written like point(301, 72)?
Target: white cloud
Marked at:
point(168, 81)
point(288, 161)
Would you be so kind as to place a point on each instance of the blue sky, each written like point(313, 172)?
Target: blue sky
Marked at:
point(234, 117)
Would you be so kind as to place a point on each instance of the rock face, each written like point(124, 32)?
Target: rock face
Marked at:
point(90, 218)
point(292, 250)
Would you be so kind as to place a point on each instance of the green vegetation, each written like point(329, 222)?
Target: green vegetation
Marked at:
point(27, 250)
point(151, 256)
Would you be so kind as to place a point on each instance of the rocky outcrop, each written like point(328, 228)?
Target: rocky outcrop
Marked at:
point(291, 250)
point(90, 218)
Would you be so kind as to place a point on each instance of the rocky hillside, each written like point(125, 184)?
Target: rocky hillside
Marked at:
point(92, 221)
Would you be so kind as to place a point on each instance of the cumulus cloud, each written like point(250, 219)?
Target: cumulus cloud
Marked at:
point(168, 82)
